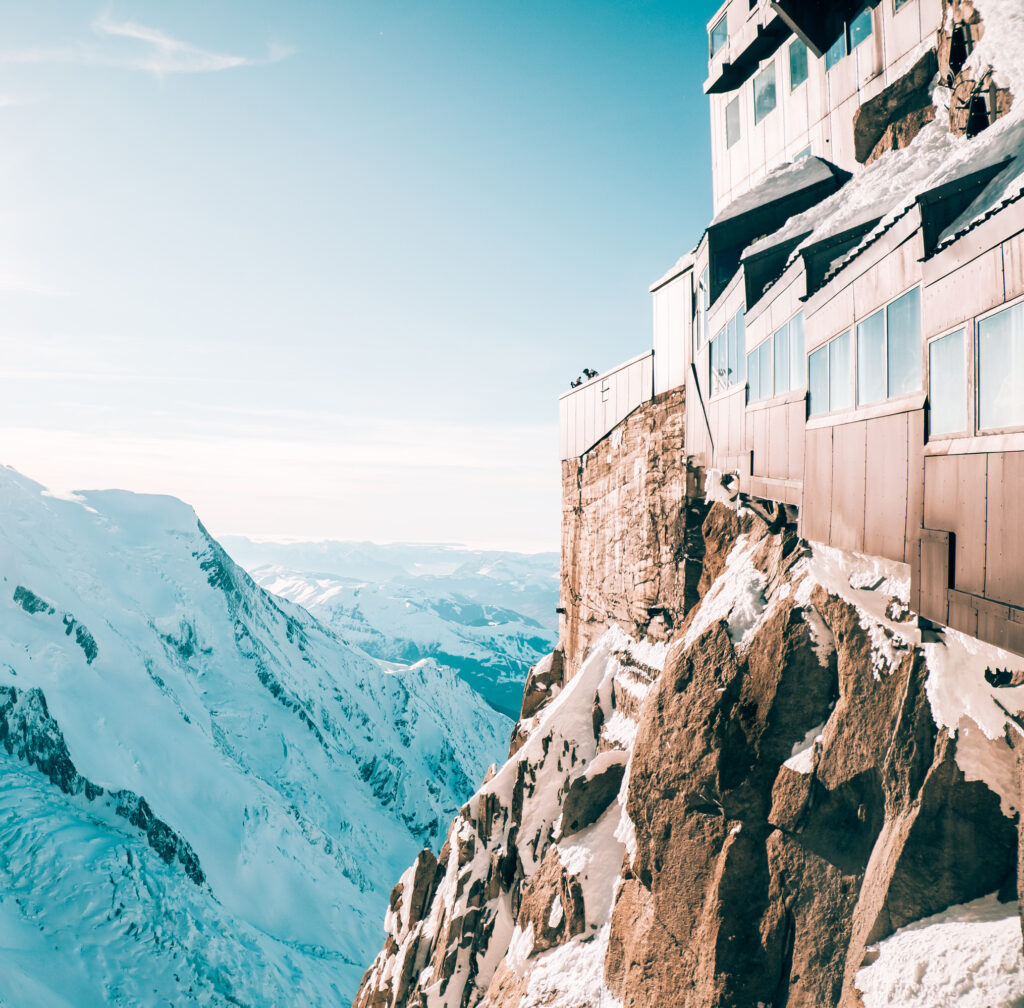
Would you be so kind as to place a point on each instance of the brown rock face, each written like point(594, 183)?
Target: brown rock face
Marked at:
point(895, 115)
point(630, 538)
point(589, 794)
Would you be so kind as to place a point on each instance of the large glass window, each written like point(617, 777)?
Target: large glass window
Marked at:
point(753, 376)
point(860, 28)
point(1001, 369)
point(726, 356)
point(719, 34)
point(732, 121)
point(871, 359)
point(903, 343)
point(947, 383)
point(817, 379)
point(705, 287)
point(764, 92)
point(839, 374)
point(798, 351)
point(782, 383)
point(797, 64)
point(764, 364)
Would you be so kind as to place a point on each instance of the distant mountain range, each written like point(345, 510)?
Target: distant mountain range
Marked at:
point(488, 615)
point(207, 794)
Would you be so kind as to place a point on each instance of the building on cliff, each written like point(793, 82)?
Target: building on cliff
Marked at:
point(845, 342)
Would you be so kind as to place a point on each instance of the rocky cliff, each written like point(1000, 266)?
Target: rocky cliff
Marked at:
point(796, 800)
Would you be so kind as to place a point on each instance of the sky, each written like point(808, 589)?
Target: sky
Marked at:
point(322, 269)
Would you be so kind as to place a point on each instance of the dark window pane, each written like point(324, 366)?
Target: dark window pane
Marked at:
point(947, 385)
point(719, 34)
point(840, 395)
point(871, 359)
point(798, 352)
point(897, 4)
point(797, 64)
point(752, 377)
point(817, 373)
point(765, 367)
point(1001, 369)
point(732, 121)
point(860, 28)
point(782, 360)
point(903, 338)
point(836, 52)
point(764, 92)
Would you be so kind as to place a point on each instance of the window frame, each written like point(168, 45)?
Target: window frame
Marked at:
point(807, 67)
point(826, 345)
point(968, 329)
point(974, 371)
point(733, 103)
point(732, 337)
point(883, 308)
point(723, 20)
point(758, 119)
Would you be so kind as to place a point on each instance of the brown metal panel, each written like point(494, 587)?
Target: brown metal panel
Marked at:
point(760, 446)
point(797, 419)
point(936, 554)
point(915, 480)
point(849, 489)
point(954, 491)
point(1004, 576)
point(1013, 266)
point(968, 291)
point(885, 512)
point(815, 514)
point(962, 615)
point(778, 441)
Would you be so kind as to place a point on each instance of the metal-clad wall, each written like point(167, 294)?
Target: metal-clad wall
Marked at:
point(673, 331)
point(588, 413)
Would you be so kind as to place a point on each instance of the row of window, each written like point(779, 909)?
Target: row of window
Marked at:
point(887, 362)
point(765, 97)
point(777, 365)
point(854, 32)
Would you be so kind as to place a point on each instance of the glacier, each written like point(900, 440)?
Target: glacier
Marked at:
point(208, 794)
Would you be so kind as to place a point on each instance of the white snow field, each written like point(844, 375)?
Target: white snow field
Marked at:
point(207, 795)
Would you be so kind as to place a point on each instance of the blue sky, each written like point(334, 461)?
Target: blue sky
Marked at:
point(322, 269)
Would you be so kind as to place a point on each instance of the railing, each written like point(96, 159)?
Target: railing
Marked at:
point(588, 413)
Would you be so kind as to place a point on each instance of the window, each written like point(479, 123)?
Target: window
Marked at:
point(753, 375)
point(947, 380)
point(840, 374)
point(1001, 369)
point(797, 351)
point(889, 350)
point(897, 4)
point(705, 288)
point(764, 365)
point(836, 51)
point(718, 35)
point(797, 64)
point(726, 356)
point(764, 92)
point(871, 359)
point(782, 360)
point(860, 28)
point(817, 380)
point(800, 155)
point(829, 376)
point(732, 121)
point(903, 343)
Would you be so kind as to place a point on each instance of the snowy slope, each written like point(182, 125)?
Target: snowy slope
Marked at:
point(208, 795)
point(488, 615)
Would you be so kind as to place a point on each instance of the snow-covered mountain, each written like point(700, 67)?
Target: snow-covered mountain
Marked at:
point(489, 615)
point(207, 793)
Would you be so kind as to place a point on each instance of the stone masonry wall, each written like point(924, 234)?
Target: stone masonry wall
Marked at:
point(630, 542)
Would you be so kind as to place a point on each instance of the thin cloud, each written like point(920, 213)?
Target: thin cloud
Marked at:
point(129, 45)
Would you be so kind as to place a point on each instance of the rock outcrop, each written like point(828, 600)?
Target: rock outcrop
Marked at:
point(740, 829)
